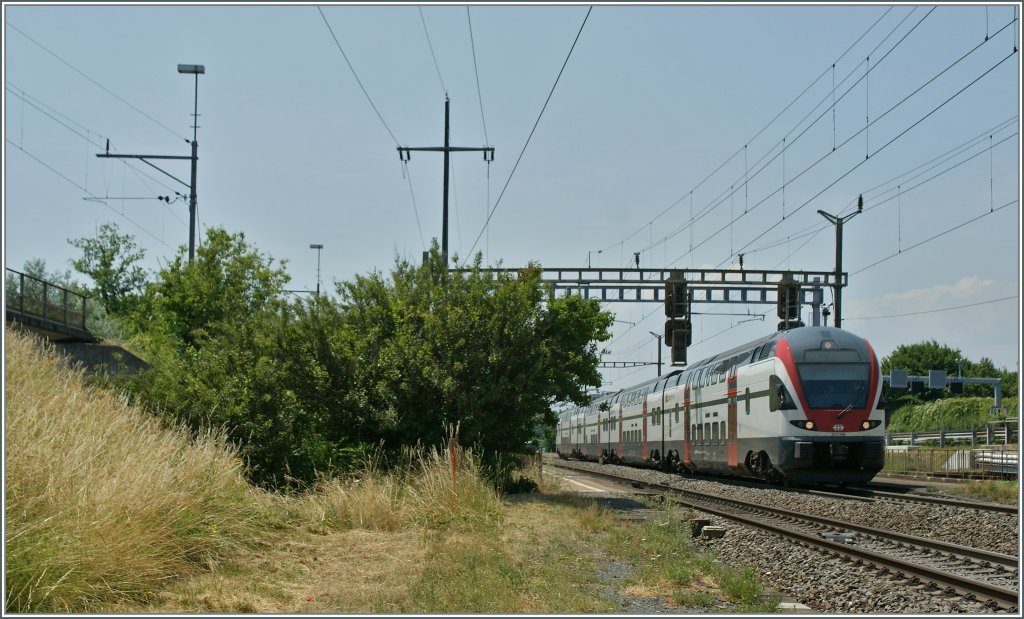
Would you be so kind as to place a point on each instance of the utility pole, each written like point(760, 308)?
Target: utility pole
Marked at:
point(197, 70)
point(657, 335)
point(838, 222)
point(404, 155)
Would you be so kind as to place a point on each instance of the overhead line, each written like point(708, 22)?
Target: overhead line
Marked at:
point(444, 89)
point(354, 74)
point(104, 88)
point(495, 207)
point(933, 311)
point(848, 172)
point(756, 135)
point(97, 198)
point(476, 72)
point(818, 228)
point(23, 95)
point(747, 176)
point(932, 238)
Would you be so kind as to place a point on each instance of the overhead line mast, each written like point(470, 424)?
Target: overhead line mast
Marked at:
point(404, 155)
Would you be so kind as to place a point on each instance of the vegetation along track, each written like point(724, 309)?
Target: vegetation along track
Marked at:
point(953, 569)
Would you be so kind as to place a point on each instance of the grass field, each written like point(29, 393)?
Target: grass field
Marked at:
point(109, 510)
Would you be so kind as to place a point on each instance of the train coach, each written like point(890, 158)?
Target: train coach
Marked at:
point(800, 406)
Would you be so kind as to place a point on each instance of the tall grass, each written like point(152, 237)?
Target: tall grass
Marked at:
point(103, 504)
point(420, 491)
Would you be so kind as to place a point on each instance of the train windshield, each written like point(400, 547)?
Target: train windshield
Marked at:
point(835, 385)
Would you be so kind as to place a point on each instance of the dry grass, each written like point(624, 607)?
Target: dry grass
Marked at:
point(107, 511)
point(103, 504)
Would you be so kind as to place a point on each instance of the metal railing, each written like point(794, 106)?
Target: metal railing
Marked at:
point(996, 461)
point(31, 296)
point(1000, 432)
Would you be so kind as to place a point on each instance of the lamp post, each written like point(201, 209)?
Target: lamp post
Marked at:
point(317, 247)
point(197, 70)
point(838, 222)
point(659, 336)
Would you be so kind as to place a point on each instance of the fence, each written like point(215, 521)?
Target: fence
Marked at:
point(31, 296)
point(960, 463)
point(1003, 432)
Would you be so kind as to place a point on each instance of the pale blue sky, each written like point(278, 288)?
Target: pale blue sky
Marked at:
point(652, 101)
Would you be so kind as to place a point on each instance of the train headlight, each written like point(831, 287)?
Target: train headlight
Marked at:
point(804, 424)
point(870, 423)
point(809, 425)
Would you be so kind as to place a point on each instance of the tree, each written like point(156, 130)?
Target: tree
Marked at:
point(477, 350)
point(111, 261)
point(228, 281)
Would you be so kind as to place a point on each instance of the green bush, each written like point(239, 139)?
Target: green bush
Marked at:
point(948, 414)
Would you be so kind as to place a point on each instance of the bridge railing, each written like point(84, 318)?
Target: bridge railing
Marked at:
point(32, 296)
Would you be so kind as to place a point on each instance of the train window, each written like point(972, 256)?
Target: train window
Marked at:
point(677, 411)
point(714, 434)
point(746, 399)
point(723, 432)
point(766, 351)
point(707, 432)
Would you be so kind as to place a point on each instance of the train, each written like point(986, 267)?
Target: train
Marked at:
point(801, 406)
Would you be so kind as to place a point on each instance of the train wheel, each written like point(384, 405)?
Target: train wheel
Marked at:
point(760, 464)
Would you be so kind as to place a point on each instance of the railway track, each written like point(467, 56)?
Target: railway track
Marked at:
point(914, 561)
point(934, 500)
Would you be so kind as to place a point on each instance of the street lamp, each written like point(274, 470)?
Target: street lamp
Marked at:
point(659, 336)
point(197, 70)
point(317, 247)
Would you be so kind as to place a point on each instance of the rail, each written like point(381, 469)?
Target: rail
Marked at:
point(31, 296)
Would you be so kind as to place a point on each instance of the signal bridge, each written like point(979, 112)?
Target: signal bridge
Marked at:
point(679, 289)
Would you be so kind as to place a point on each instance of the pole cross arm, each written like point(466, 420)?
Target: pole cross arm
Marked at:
point(143, 159)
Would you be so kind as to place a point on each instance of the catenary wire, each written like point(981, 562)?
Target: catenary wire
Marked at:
point(476, 72)
point(756, 135)
point(444, 88)
point(932, 311)
point(356, 75)
point(932, 238)
point(101, 86)
point(97, 198)
point(539, 116)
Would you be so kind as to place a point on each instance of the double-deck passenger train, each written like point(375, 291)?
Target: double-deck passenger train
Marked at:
point(797, 406)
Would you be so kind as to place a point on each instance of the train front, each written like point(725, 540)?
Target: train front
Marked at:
point(828, 388)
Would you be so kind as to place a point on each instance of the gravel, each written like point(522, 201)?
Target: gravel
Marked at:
point(829, 584)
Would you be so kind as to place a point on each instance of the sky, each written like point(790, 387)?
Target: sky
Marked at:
point(690, 134)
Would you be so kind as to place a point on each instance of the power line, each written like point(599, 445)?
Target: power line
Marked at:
point(933, 311)
point(495, 207)
point(860, 163)
point(444, 89)
point(354, 74)
point(408, 175)
point(104, 88)
point(760, 131)
point(477, 74)
point(97, 198)
point(818, 228)
point(39, 105)
point(943, 233)
point(747, 177)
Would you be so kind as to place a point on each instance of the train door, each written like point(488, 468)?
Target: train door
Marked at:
point(687, 434)
point(643, 429)
point(730, 430)
point(621, 404)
